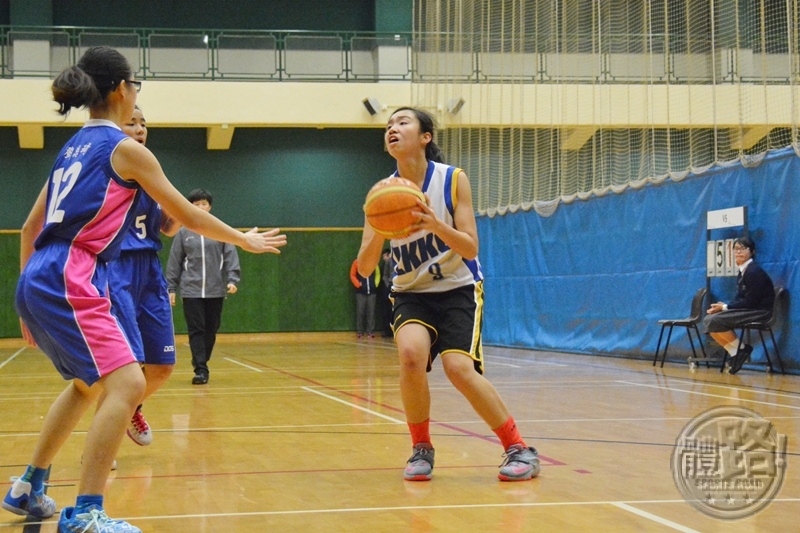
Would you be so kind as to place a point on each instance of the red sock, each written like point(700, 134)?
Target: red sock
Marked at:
point(420, 432)
point(509, 434)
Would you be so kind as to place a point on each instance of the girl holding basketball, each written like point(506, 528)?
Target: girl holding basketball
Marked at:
point(75, 227)
point(438, 298)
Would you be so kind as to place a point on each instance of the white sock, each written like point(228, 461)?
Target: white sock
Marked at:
point(732, 347)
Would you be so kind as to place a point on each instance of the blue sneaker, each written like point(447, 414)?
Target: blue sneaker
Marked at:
point(23, 500)
point(93, 520)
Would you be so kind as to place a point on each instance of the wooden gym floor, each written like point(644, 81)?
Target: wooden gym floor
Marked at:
point(305, 433)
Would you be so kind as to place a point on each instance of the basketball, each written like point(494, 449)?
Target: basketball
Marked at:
point(390, 205)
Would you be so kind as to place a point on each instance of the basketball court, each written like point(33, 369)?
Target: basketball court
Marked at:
point(305, 432)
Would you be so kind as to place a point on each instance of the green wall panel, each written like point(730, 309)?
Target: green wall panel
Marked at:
point(305, 288)
point(31, 12)
point(394, 15)
point(287, 177)
point(5, 14)
point(343, 15)
point(9, 272)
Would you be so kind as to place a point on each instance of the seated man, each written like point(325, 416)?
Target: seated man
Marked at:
point(755, 295)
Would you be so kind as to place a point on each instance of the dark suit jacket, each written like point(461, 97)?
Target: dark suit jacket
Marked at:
point(754, 290)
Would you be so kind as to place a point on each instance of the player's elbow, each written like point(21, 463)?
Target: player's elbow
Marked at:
point(170, 228)
point(469, 252)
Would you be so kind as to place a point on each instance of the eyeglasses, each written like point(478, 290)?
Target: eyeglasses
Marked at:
point(740, 249)
point(136, 83)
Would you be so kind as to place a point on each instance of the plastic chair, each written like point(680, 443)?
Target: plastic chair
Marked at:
point(689, 323)
point(774, 322)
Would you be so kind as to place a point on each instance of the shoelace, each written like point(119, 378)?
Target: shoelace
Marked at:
point(140, 423)
point(99, 519)
point(419, 455)
point(509, 455)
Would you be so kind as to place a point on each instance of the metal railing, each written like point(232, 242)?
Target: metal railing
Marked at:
point(212, 54)
point(170, 54)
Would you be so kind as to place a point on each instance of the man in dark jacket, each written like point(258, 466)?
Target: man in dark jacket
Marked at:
point(755, 295)
point(205, 271)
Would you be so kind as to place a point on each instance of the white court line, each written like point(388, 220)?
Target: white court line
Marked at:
point(526, 360)
point(758, 391)
point(368, 344)
point(4, 363)
point(771, 404)
point(654, 518)
point(232, 428)
point(396, 421)
point(506, 364)
point(244, 365)
point(385, 509)
point(392, 422)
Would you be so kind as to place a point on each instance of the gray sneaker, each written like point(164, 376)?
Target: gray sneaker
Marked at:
point(420, 465)
point(519, 464)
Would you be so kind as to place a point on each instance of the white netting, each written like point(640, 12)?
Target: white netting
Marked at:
point(565, 99)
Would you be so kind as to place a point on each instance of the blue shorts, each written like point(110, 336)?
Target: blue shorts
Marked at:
point(62, 296)
point(141, 301)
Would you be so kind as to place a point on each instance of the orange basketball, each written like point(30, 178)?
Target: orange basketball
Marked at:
point(389, 206)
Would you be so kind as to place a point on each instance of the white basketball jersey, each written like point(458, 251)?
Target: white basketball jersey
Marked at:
point(422, 261)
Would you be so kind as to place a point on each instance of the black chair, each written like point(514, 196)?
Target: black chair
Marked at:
point(689, 323)
point(774, 322)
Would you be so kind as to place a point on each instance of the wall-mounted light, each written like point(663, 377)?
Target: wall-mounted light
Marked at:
point(373, 106)
point(455, 105)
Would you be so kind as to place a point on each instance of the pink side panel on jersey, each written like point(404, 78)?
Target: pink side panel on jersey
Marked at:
point(101, 230)
point(103, 335)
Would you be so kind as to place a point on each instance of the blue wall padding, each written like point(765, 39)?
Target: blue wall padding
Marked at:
point(597, 275)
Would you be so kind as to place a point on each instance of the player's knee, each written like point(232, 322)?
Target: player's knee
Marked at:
point(137, 385)
point(412, 360)
point(158, 372)
point(127, 383)
point(458, 369)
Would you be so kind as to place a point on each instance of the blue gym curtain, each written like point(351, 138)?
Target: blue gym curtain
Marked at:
point(597, 275)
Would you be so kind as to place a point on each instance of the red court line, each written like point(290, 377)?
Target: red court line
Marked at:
point(549, 460)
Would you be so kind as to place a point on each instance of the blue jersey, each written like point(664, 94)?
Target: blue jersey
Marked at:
point(144, 232)
point(88, 203)
point(62, 294)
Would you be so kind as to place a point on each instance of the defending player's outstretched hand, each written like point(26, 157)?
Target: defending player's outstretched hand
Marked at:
point(267, 241)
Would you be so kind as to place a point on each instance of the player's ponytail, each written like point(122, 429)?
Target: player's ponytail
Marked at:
point(74, 88)
point(89, 83)
point(434, 153)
